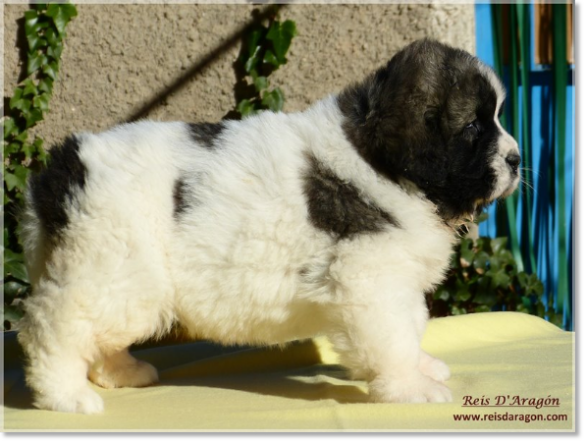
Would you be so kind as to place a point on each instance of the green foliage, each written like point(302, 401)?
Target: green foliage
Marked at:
point(44, 28)
point(263, 52)
point(483, 277)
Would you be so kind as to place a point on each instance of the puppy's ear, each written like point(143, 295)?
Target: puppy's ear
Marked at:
point(428, 168)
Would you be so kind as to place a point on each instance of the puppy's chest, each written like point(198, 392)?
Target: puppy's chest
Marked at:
point(429, 251)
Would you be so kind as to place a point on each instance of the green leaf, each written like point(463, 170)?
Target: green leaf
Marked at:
point(69, 10)
point(500, 279)
point(15, 98)
point(31, 19)
point(11, 180)
point(260, 83)
point(281, 36)
point(483, 245)
point(41, 153)
point(28, 150)
point(538, 290)
point(34, 41)
point(40, 44)
point(12, 313)
point(61, 15)
point(480, 262)
point(54, 51)
point(252, 61)
point(22, 137)
point(485, 298)
point(51, 69)
point(442, 294)
point(498, 244)
point(29, 88)
point(32, 150)
point(455, 310)
point(46, 85)
point(15, 267)
point(523, 279)
point(463, 294)
point(52, 37)
point(38, 143)
point(507, 257)
point(11, 148)
point(527, 302)
point(17, 178)
point(33, 117)
point(495, 264)
point(271, 59)
point(246, 108)
point(534, 285)
point(484, 294)
point(466, 252)
point(42, 102)
point(9, 128)
point(34, 62)
point(273, 100)
point(23, 104)
point(253, 38)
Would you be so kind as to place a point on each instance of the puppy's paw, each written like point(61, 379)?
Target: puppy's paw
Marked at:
point(417, 388)
point(138, 375)
point(82, 401)
point(433, 367)
point(134, 373)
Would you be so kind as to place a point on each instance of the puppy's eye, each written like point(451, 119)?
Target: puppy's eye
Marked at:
point(472, 129)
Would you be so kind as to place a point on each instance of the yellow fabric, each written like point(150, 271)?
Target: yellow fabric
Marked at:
point(301, 387)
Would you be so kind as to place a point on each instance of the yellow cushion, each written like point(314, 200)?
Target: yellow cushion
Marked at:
point(494, 357)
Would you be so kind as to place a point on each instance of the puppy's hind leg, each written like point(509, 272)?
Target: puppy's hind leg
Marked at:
point(59, 351)
point(120, 369)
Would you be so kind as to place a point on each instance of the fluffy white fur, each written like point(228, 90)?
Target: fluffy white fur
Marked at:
point(230, 269)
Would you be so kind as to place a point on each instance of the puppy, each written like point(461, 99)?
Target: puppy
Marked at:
point(332, 221)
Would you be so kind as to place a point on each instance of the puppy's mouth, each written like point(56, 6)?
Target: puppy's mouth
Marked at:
point(504, 189)
point(511, 189)
point(513, 185)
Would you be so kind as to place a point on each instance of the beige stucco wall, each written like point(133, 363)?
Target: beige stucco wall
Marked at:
point(118, 57)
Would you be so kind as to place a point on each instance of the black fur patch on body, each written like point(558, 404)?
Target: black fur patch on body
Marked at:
point(408, 122)
point(53, 189)
point(205, 134)
point(180, 204)
point(337, 207)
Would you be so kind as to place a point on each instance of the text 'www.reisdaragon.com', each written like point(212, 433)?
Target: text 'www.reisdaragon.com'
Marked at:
point(496, 417)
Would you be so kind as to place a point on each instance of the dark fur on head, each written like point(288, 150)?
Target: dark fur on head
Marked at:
point(411, 120)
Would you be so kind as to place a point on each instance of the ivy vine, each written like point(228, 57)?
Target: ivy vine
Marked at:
point(263, 51)
point(44, 27)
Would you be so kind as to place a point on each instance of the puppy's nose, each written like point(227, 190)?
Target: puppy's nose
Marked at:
point(513, 160)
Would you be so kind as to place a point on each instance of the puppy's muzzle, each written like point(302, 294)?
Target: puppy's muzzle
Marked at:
point(513, 160)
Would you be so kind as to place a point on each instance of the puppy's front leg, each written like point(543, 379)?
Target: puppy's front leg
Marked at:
point(380, 326)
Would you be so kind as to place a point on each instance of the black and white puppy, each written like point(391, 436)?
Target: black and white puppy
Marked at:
point(331, 221)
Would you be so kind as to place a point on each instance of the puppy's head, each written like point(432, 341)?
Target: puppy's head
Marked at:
point(430, 117)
